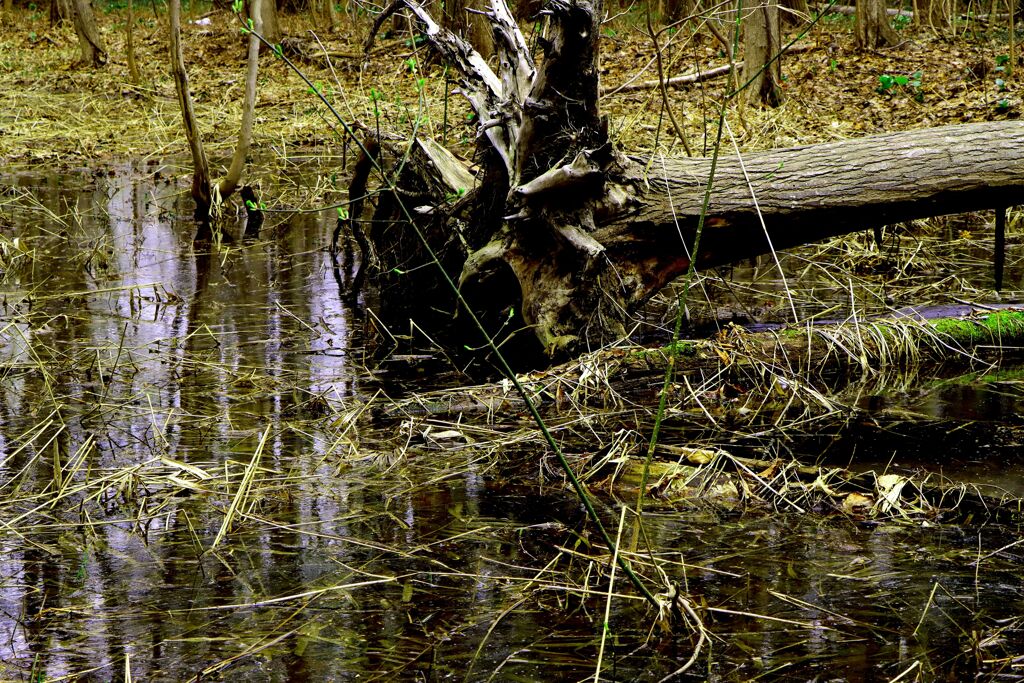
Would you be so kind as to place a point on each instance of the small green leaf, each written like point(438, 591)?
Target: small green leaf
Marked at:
point(250, 204)
point(902, 80)
point(398, 271)
point(342, 213)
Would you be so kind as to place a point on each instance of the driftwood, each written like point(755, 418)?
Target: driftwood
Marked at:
point(571, 235)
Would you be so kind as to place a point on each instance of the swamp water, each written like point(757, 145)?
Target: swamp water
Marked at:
point(193, 485)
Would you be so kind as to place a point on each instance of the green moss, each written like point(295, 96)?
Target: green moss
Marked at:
point(1002, 327)
point(683, 348)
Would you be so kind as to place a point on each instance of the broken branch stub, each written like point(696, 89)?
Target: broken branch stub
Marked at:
point(484, 90)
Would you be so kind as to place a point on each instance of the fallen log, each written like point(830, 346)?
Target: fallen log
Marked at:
point(646, 214)
point(691, 78)
point(571, 236)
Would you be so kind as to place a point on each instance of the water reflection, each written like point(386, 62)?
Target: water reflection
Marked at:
point(138, 379)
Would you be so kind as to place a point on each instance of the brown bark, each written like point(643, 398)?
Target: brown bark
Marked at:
point(873, 29)
point(92, 51)
point(471, 26)
point(331, 15)
point(761, 47)
point(572, 236)
point(201, 191)
point(60, 12)
point(933, 13)
point(795, 12)
point(133, 69)
point(206, 195)
point(271, 26)
point(229, 183)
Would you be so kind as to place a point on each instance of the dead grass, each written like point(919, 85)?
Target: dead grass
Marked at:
point(760, 396)
point(68, 117)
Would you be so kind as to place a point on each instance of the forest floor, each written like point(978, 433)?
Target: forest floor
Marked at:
point(71, 117)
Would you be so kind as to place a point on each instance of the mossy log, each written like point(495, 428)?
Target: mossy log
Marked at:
point(808, 351)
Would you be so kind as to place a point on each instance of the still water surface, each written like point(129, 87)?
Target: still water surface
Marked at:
point(140, 381)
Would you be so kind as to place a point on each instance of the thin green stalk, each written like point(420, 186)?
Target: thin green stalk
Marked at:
point(673, 350)
point(605, 627)
point(504, 367)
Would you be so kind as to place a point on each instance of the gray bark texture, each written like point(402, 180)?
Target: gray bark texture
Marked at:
point(873, 29)
point(762, 45)
point(572, 236)
point(271, 26)
point(92, 51)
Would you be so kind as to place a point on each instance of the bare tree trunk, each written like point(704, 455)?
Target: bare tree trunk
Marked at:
point(201, 192)
point(934, 14)
point(474, 28)
point(92, 51)
point(331, 14)
point(229, 183)
point(60, 11)
point(1011, 64)
point(206, 195)
point(271, 27)
point(761, 47)
point(676, 10)
point(133, 69)
point(873, 29)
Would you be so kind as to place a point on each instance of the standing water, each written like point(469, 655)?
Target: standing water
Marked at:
point(196, 482)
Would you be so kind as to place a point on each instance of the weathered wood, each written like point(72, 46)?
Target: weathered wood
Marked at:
point(572, 236)
point(803, 194)
point(810, 193)
point(806, 194)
